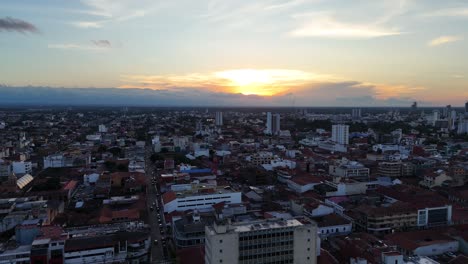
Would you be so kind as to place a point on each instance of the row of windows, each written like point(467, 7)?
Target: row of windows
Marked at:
point(91, 255)
point(265, 255)
point(207, 198)
point(266, 235)
point(284, 243)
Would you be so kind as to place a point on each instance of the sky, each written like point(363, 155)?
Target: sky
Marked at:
point(265, 52)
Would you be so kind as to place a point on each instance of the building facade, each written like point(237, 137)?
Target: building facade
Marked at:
point(340, 134)
point(271, 241)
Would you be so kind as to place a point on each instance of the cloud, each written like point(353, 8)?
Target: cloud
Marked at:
point(96, 45)
point(88, 24)
point(277, 87)
point(449, 12)
point(266, 82)
point(442, 40)
point(102, 43)
point(323, 25)
point(115, 11)
point(13, 24)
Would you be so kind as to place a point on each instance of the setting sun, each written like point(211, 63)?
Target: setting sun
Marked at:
point(266, 82)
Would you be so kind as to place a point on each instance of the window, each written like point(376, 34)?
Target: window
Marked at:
point(220, 241)
point(220, 261)
point(220, 251)
point(308, 249)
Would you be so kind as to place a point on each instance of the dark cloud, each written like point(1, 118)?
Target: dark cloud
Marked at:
point(338, 94)
point(102, 43)
point(12, 24)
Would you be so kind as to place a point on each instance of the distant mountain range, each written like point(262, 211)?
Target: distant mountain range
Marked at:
point(118, 96)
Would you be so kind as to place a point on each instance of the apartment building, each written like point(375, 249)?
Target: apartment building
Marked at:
point(200, 197)
point(266, 241)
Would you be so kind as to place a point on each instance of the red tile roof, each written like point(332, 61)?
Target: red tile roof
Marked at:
point(70, 185)
point(168, 197)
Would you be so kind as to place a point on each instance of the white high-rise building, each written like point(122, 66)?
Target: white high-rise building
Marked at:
point(452, 118)
point(276, 124)
point(102, 129)
point(340, 134)
point(269, 128)
point(462, 126)
point(435, 117)
point(356, 113)
point(264, 241)
point(219, 119)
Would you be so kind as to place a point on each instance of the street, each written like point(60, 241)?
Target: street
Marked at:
point(159, 253)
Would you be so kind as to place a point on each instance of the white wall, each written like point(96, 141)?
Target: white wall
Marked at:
point(221, 246)
point(22, 167)
point(201, 202)
point(342, 229)
point(437, 249)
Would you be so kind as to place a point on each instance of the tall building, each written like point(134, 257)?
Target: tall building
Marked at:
point(102, 129)
point(356, 113)
point(451, 120)
point(466, 108)
point(340, 134)
point(435, 117)
point(269, 128)
point(447, 111)
point(267, 241)
point(219, 119)
point(276, 124)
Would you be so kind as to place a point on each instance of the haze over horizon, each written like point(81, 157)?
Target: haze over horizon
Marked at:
point(215, 53)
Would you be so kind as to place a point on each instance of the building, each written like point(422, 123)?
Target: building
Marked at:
point(384, 219)
point(262, 157)
point(395, 169)
point(219, 119)
point(66, 160)
point(340, 134)
point(423, 243)
point(102, 129)
point(120, 247)
point(22, 167)
point(5, 168)
point(189, 230)
point(266, 241)
point(345, 168)
point(276, 128)
point(463, 125)
point(199, 197)
point(435, 216)
point(356, 113)
point(333, 225)
point(269, 128)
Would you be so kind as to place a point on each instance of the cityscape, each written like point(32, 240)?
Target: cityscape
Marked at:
point(233, 132)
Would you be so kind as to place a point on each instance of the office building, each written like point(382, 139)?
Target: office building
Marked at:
point(276, 124)
point(22, 167)
point(5, 168)
point(349, 169)
point(270, 241)
point(462, 126)
point(219, 119)
point(340, 134)
point(102, 129)
point(356, 113)
point(269, 128)
point(199, 197)
point(466, 108)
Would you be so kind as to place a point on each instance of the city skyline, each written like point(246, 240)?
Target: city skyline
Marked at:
point(267, 53)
